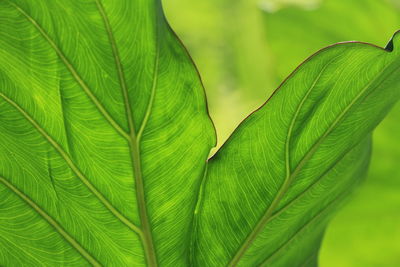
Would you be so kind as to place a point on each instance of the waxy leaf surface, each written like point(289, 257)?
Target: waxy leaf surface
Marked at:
point(104, 135)
point(270, 189)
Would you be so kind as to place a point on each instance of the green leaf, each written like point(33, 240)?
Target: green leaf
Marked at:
point(272, 187)
point(354, 231)
point(104, 135)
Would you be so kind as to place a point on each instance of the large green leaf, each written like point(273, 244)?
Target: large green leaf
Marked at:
point(104, 135)
point(269, 191)
point(365, 224)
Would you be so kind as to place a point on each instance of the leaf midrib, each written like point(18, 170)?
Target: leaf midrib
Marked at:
point(324, 210)
point(304, 192)
point(315, 183)
point(285, 186)
point(146, 237)
point(57, 147)
point(269, 211)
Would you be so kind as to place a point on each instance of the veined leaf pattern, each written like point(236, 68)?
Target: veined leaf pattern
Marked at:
point(104, 139)
point(295, 158)
point(104, 131)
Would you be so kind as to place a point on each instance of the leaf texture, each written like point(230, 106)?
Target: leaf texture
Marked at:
point(104, 139)
point(104, 135)
point(271, 188)
point(371, 21)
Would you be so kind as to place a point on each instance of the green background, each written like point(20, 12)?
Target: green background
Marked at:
point(245, 48)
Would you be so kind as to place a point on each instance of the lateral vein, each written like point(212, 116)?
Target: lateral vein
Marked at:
point(152, 96)
point(249, 240)
point(73, 71)
point(316, 182)
point(304, 227)
point(146, 237)
point(73, 167)
point(288, 180)
point(74, 243)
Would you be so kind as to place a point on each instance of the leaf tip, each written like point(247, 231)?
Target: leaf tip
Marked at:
point(394, 42)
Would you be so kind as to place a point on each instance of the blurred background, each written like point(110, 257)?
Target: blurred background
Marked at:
point(245, 48)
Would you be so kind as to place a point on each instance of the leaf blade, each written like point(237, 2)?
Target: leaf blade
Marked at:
point(87, 73)
point(241, 212)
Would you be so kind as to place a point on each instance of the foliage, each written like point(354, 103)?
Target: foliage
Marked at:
point(105, 137)
point(283, 33)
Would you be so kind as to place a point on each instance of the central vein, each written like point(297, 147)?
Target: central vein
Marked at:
point(146, 236)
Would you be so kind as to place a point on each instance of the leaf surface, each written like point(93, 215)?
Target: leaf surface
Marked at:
point(329, 22)
point(104, 137)
point(104, 134)
point(270, 190)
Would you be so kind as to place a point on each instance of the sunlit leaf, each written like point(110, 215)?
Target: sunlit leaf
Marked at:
point(104, 135)
point(104, 138)
point(271, 188)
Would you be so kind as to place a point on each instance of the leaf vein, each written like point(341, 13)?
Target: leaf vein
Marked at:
point(260, 225)
point(74, 243)
point(146, 236)
point(276, 199)
point(72, 165)
point(73, 71)
point(304, 227)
